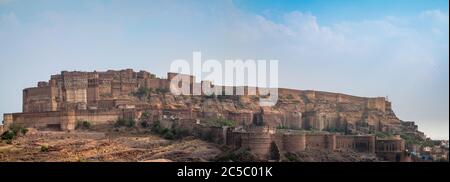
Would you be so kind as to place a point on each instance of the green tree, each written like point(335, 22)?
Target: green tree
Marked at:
point(141, 93)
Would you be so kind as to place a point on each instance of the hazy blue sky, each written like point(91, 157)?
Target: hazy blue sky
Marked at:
point(370, 48)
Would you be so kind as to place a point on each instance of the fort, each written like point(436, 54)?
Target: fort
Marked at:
point(259, 143)
point(301, 120)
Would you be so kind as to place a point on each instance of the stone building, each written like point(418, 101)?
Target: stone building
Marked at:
point(95, 96)
point(105, 96)
point(258, 140)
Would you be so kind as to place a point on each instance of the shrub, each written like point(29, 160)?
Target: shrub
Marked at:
point(180, 133)
point(156, 127)
point(208, 136)
point(130, 123)
point(414, 140)
point(291, 157)
point(145, 114)
point(281, 127)
point(141, 92)
point(86, 124)
point(162, 90)
point(380, 134)
point(220, 122)
point(290, 96)
point(168, 134)
point(24, 131)
point(8, 135)
point(124, 122)
point(18, 129)
point(44, 148)
point(226, 122)
point(164, 131)
point(227, 97)
point(144, 124)
point(212, 96)
point(12, 133)
point(83, 125)
point(335, 130)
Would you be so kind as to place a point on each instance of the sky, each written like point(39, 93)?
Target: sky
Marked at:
point(372, 48)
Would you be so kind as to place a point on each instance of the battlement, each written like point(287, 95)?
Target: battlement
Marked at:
point(103, 96)
point(259, 143)
point(77, 89)
point(378, 103)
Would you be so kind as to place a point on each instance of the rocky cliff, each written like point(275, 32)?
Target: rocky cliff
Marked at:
point(296, 109)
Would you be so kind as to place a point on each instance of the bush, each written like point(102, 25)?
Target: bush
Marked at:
point(124, 122)
point(144, 124)
point(168, 134)
point(145, 116)
point(208, 136)
point(8, 135)
point(380, 134)
point(335, 130)
point(180, 133)
point(162, 90)
point(44, 148)
point(291, 157)
point(281, 127)
point(163, 132)
point(83, 125)
point(12, 133)
point(290, 96)
point(220, 122)
point(24, 131)
point(156, 127)
point(226, 122)
point(227, 97)
point(141, 92)
point(18, 129)
point(414, 140)
point(212, 96)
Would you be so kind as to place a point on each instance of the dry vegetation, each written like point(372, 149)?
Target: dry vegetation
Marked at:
point(116, 146)
point(124, 144)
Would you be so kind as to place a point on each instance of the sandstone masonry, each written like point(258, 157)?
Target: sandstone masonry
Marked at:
point(340, 121)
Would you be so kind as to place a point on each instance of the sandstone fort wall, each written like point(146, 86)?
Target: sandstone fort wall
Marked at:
point(292, 143)
point(62, 119)
point(391, 149)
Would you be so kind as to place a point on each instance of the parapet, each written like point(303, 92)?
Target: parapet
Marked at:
point(260, 129)
point(395, 144)
point(42, 84)
point(378, 103)
point(7, 120)
point(172, 75)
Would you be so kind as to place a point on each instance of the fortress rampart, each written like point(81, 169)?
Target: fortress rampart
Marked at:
point(390, 149)
point(64, 120)
point(259, 143)
point(103, 97)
